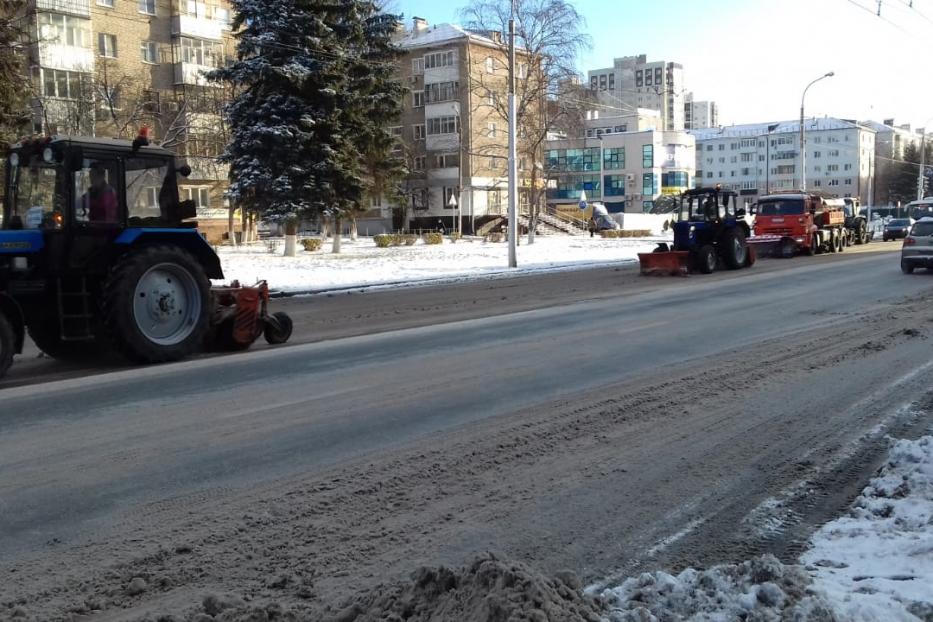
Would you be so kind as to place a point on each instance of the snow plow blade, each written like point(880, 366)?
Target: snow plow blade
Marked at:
point(664, 262)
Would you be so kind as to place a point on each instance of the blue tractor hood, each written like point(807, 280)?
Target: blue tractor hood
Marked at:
point(21, 241)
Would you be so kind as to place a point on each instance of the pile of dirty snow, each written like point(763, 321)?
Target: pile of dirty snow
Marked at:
point(488, 590)
point(876, 563)
point(760, 589)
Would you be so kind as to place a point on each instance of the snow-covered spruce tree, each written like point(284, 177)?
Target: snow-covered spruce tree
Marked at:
point(379, 95)
point(290, 151)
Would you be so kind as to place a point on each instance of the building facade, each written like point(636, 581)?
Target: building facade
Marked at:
point(632, 82)
point(890, 143)
point(755, 159)
point(628, 171)
point(700, 114)
point(454, 129)
point(109, 67)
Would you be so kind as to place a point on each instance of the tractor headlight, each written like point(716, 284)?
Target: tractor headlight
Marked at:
point(20, 264)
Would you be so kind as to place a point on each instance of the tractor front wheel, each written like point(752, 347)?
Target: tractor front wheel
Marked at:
point(706, 259)
point(7, 344)
point(156, 304)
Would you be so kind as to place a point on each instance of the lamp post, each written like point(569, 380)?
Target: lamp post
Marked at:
point(803, 146)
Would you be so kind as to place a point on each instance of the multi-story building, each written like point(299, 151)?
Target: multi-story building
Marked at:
point(627, 170)
point(890, 142)
point(632, 82)
point(454, 127)
point(755, 159)
point(108, 67)
point(598, 124)
point(700, 114)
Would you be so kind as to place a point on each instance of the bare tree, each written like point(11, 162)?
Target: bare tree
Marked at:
point(14, 80)
point(549, 39)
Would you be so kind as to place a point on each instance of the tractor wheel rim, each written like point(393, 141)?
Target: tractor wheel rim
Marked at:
point(166, 304)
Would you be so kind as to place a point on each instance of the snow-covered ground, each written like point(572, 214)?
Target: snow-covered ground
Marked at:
point(873, 564)
point(361, 263)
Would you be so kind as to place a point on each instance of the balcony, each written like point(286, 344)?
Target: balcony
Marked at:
point(67, 57)
point(451, 173)
point(442, 142)
point(81, 8)
point(193, 75)
point(199, 27)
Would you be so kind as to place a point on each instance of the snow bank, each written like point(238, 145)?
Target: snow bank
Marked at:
point(876, 563)
point(760, 589)
point(363, 264)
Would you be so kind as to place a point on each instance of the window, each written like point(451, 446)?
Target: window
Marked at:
point(493, 164)
point(63, 84)
point(593, 82)
point(722, 160)
point(647, 156)
point(65, 30)
point(109, 97)
point(107, 45)
point(97, 201)
point(147, 6)
point(614, 158)
point(200, 52)
point(647, 184)
point(615, 185)
point(395, 131)
point(492, 130)
point(832, 168)
point(490, 64)
point(722, 146)
point(834, 153)
point(144, 179)
point(417, 66)
point(441, 92)
point(439, 59)
point(847, 167)
point(106, 3)
point(418, 163)
point(447, 160)
point(418, 131)
point(443, 125)
point(709, 147)
point(833, 182)
point(199, 194)
point(639, 80)
point(675, 179)
point(612, 81)
point(492, 98)
point(709, 175)
point(602, 82)
point(572, 159)
point(417, 99)
point(522, 71)
point(148, 52)
point(848, 182)
point(817, 154)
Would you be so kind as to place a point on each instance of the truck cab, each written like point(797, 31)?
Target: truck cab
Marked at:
point(798, 222)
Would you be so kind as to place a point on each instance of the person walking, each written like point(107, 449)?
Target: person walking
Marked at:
point(591, 226)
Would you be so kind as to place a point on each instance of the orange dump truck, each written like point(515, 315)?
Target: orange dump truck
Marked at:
point(791, 223)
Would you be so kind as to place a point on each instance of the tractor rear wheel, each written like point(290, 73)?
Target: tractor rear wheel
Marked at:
point(156, 304)
point(734, 249)
point(7, 344)
point(706, 259)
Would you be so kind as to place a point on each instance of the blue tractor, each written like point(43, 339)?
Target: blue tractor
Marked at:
point(710, 231)
point(98, 253)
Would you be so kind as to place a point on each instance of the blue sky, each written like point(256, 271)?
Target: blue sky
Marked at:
point(754, 58)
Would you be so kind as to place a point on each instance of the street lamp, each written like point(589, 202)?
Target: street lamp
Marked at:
point(923, 152)
point(803, 146)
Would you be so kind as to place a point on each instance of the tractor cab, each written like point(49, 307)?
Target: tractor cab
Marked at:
point(71, 198)
point(704, 214)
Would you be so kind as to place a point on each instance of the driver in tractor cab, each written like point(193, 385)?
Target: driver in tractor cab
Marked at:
point(100, 201)
point(711, 208)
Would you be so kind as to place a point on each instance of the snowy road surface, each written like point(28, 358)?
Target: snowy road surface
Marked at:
point(606, 436)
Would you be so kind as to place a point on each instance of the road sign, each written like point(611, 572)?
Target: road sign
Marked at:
point(582, 202)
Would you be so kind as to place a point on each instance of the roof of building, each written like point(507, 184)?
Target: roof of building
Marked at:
point(443, 33)
point(780, 127)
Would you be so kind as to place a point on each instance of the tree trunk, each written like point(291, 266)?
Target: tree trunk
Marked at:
point(244, 231)
point(353, 230)
point(291, 237)
point(325, 227)
point(231, 224)
point(336, 247)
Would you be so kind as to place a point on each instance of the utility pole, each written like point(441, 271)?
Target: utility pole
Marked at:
point(513, 173)
point(923, 153)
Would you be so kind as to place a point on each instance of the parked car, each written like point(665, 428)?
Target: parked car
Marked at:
point(896, 228)
point(917, 251)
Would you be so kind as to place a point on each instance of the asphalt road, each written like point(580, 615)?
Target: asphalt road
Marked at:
point(132, 453)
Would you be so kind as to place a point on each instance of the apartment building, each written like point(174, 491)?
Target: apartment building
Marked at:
point(627, 171)
point(700, 114)
point(755, 159)
point(632, 82)
point(890, 143)
point(109, 67)
point(454, 127)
